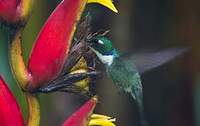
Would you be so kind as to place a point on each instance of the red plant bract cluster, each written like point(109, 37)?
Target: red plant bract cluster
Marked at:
point(10, 114)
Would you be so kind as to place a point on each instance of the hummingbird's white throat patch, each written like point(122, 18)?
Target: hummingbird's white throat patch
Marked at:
point(105, 59)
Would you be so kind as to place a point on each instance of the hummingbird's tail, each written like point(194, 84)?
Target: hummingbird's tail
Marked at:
point(139, 101)
point(142, 118)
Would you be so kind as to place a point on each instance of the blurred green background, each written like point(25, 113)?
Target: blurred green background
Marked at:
point(171, 92)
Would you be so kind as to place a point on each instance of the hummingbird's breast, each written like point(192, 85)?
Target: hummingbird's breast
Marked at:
point(123, 74)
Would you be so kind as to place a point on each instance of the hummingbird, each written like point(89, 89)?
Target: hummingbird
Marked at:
point(124, 73)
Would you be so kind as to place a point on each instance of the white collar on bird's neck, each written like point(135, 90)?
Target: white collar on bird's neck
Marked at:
point(105, 59)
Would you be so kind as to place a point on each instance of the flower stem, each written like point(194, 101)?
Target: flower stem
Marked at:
point(33, 110)
point(16, 61)
point(22, 76)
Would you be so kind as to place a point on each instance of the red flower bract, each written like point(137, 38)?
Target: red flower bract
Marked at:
point(82, 115)
point(8, 9)
point(53, 42)
point(10, 114)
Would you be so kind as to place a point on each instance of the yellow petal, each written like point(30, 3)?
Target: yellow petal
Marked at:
point(81, 67)
point(96, 116)
point(81, 64)
point(106, 3)
point(101, 122)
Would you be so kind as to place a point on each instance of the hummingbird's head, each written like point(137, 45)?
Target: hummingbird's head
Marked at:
point(103, 49)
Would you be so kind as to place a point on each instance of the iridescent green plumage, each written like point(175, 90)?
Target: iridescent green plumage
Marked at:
point(127, 78)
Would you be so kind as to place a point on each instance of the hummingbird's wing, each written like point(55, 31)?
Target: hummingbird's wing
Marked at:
point(144, 61)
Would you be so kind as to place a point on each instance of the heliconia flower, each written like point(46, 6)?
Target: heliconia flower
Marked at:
point(13, 11)
point(52, 44)
point(84, 116)
point(50, 49)
point(10, 114)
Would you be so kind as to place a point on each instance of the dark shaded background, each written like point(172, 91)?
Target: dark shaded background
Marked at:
point(171, 92)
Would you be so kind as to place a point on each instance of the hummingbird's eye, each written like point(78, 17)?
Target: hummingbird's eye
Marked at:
point(95, 41)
